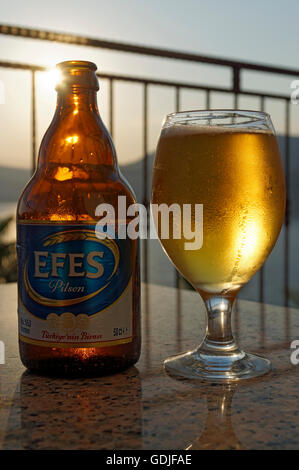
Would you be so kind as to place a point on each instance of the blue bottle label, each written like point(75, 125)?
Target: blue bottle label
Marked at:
point(75, 289)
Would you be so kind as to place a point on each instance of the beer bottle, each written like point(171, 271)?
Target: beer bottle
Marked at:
point(78, 289)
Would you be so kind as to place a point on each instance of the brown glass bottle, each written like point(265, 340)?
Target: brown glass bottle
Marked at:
point(77, 170)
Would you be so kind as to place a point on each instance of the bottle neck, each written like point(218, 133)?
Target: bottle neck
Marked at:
point(77, 135)
point(75, 102)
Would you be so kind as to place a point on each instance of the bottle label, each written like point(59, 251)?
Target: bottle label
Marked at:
point(75, 290)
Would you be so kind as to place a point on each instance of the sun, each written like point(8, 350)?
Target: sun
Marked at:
point(50, 78)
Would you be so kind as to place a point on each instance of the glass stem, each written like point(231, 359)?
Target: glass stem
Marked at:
point(219, 339)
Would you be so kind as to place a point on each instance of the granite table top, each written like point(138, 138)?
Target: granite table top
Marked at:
point(143, 407)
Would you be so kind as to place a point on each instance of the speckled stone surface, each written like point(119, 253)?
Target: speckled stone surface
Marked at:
point(143, 408)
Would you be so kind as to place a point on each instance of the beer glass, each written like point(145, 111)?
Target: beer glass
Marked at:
point(226, 162)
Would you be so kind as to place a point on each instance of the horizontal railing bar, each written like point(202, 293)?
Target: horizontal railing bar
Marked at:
point(143, 50)
point(21, 66)
point(152, 81)
point(190, 86)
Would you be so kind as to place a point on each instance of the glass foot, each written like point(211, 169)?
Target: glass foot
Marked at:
point(198, 365)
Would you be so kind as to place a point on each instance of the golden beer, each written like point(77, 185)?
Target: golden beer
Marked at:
point(237, 174)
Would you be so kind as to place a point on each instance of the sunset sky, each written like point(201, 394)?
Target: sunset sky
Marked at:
point(258, 31)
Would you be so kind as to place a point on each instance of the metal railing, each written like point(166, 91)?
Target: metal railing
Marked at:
point(236, 89)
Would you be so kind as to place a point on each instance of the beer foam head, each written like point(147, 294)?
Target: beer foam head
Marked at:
point(182, 129)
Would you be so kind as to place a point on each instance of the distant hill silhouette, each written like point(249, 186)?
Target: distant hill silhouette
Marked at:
point(13, 180)
point(134, 175)
point(159, 268)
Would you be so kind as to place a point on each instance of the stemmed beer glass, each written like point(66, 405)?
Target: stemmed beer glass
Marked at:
point(229, 162)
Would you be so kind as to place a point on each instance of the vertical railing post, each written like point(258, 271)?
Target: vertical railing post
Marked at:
point(33, 121)
point(176, 273)
point(236, 101)
point(236, 80)
point(261, 280)
point(236, 85)
point(111, 103)
point(177, 99)
point(287, 216)
point(145, 242)
point(145, 176)
point(177, 109)
point(145, 149)
point(208, 99)
point(236, 89)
